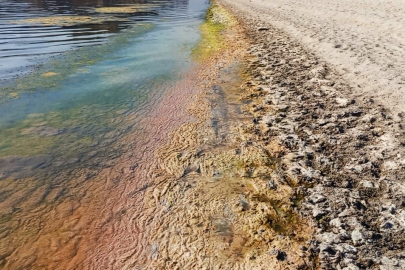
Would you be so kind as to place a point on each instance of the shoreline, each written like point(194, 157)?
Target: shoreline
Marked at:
point(216, 211)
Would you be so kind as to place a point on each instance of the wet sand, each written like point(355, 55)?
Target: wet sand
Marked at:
point(217, 208)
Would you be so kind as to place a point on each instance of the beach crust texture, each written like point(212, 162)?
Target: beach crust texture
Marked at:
point(345, 151)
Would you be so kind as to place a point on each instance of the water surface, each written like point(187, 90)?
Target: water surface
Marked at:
point(75, 98)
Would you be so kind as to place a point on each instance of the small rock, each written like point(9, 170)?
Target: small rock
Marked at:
point(344, 235)
point(368, 184)
point(390, 165)
point(335, 223)
point(282, 108)
point(356, 113)
point(318, 212)
point(387, 225)
point(357, 237)
point(389, 262)
point(319, 72)
point(329, 238)
point(272, 184)
point(316, 198)
point(349, 249)
point(342, 102)
point(377, 132)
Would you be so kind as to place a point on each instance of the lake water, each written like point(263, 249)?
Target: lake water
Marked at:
point(85, 87)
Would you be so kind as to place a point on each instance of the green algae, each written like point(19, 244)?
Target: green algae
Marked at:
point(15, 141)
point(212, 41)
point(21, 145)
point(68, 141)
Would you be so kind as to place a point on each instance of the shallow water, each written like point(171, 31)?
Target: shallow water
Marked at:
point(68, 93)
point(75, 101)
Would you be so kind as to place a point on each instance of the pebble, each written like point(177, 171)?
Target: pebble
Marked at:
point(357, 237)
point(342, 102)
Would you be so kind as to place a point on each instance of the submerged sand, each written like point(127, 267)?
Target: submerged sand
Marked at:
point(193, 194)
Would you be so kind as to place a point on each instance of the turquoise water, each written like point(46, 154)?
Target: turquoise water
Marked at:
point(73, 102)
point(42, 115)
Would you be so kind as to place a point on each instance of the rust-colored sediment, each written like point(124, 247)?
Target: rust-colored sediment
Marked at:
point(103, 223)
point(218, 211)
point(192, 192)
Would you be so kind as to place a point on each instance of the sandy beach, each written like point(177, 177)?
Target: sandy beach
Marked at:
point(331, 77)
point(363, 40)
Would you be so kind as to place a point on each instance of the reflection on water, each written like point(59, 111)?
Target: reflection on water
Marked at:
point(24, 43)
point(69, 4)
point(94, 99)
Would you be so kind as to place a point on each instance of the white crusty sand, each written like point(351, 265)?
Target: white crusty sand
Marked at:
point(364, 40)
point(331, 76)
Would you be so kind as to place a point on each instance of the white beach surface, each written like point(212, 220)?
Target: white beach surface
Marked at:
point(363, 39)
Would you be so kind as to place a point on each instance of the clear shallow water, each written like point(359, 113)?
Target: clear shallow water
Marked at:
point(70, 97)
point(23, 44)
point(130, 70)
